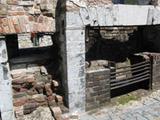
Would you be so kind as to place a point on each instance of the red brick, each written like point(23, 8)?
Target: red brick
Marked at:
point(30, 78)
point(18, 111)
point(57, 113)
point(39, 87)
point(39, 98)
point(20, 101)
point(16, 24)
point(5, 25)
point(19, 81)
point(48, 89)
point(11, 26)
point(22, 23)
point(12, 2)
point(52, 97)
point(59, 99)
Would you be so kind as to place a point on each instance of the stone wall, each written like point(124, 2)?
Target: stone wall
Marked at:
point(97, 88)
point(22, 16)
point(26, 41)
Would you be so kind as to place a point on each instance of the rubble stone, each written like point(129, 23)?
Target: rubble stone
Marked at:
point(57, 113)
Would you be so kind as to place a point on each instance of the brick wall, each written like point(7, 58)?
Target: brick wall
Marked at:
point(23, 16)
point(155, 70)
point(97, 88)
point(34, 86)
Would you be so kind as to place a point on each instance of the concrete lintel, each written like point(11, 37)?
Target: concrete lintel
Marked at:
point(113, 15)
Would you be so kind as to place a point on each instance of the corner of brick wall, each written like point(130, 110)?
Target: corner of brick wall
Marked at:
point(156, 74)
point(97, 88)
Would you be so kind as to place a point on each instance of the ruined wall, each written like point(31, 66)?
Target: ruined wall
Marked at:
point(33, 86)
point(21, 16)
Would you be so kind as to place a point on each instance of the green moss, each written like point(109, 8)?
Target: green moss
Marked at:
point(125, 99)
point(131, 2)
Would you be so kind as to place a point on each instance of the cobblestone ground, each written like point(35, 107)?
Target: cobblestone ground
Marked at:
point(148, 108)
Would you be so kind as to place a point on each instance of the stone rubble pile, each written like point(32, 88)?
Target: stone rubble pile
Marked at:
point(33, 87)
point(23, 16)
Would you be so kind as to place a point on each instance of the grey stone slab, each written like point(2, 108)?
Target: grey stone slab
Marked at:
point(3, 51)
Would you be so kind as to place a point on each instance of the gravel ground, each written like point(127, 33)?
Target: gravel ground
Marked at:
point(147, 108)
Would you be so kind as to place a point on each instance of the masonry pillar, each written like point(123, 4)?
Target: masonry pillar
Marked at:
point(75, 53)
point(6, 105)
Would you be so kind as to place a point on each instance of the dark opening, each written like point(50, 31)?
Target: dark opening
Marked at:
point(121, 47)
point(134, 2)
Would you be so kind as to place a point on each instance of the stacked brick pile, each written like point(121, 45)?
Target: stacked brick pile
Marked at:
point(23, 16)
point(33, 87)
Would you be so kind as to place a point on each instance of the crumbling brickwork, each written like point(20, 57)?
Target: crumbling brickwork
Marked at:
point(21, 16)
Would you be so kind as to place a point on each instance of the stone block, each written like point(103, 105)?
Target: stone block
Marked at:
point(12, 2)
point(31, 91)
point(39, 98)
point(55, 83)
point(3, 10)
point(3, 51)
point(16, 24)
point(30, 107)
point(19, 95)
point(26, 3)
point(9, 115)
point(51, 98)
point(5, 25)
point(43, 70)
point(59, 99)
point(11, 26)
point(30, 78)
point(57, 113)
point(19, 112)
point(20, 101)
point(39, 86)
point(48, 89)
point(18, 73)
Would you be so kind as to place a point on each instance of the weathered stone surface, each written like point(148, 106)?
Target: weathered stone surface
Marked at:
point(57, 113)
point(3, 10)
point(17, 16)
point(20, 101)
point(41, 113)
point(3, 50)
